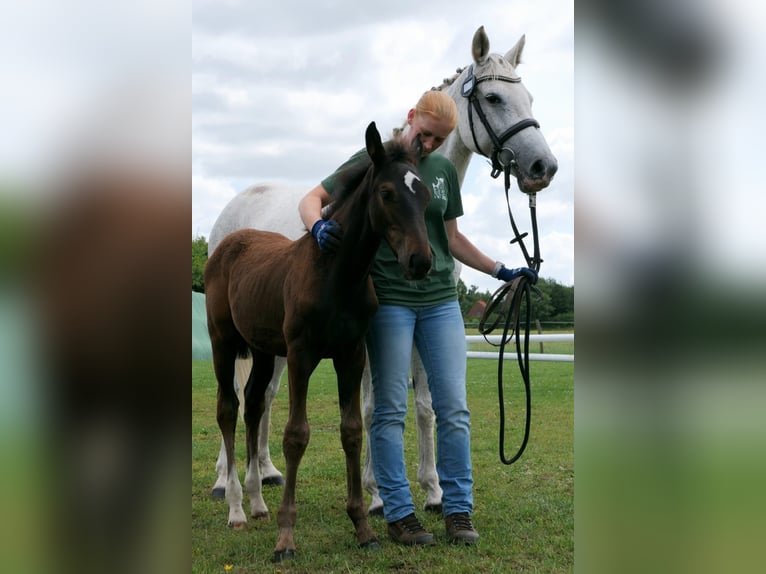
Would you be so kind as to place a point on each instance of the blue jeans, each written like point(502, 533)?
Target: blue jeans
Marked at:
point(439, 335)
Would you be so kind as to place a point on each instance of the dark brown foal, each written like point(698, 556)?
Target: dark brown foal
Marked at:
point(276, 297)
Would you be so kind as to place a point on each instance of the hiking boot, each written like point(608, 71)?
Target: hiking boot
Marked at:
point(460, 529)
point(409, 531)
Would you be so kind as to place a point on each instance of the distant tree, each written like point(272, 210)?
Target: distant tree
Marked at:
point(199, 258)
point(553, 303)
point(562, 301)
point(468, 297)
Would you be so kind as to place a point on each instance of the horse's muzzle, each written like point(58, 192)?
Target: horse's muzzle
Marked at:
point(418, 266)
point(540, 176)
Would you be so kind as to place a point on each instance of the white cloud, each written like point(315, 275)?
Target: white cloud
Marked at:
point(281, 93)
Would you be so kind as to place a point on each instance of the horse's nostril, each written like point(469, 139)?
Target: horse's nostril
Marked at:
point(419, 265)
point(543, 169)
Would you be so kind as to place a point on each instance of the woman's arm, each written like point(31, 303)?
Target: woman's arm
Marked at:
point(466, 252)
point(310, 206)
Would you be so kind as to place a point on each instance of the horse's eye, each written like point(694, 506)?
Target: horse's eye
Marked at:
point(493, 99)
point(387, 192)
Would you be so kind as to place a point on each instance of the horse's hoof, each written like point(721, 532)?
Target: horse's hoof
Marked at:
point(237, 525)
point(377, 511)
point(434, 508)
point(282, 555)
point(371, 544)
point(273, 481)
point(218, 493)
point(260, 515)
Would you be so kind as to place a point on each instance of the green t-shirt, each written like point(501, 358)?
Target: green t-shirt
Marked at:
point(439, 286)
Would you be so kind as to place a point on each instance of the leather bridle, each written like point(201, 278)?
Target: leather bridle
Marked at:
point(500, 155)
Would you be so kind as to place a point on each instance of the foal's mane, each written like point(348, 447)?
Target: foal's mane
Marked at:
point(358, 173)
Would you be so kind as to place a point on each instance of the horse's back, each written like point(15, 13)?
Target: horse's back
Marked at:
point(267, 207)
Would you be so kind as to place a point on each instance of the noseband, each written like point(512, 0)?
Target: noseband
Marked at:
point(501, 156)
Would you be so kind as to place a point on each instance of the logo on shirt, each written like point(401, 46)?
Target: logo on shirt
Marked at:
point(439, 188)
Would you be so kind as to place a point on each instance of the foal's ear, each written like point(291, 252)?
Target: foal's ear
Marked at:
point(417, 147)
point(374, 145)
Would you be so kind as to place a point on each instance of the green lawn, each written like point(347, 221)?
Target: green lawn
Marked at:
point(524, 512)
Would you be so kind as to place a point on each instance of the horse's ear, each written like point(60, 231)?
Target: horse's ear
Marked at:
point(480, 45)
point(514, 54)
point(417, 146)
point(374, 145)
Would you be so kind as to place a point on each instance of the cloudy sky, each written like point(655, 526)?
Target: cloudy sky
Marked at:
point(283, 92)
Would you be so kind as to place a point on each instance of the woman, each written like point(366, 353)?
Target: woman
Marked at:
point(427, 312)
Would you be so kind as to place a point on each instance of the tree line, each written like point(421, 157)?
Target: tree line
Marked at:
point(553, 303)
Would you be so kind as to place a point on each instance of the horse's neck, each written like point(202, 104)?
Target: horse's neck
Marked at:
point(453, 147)
point(353, 261)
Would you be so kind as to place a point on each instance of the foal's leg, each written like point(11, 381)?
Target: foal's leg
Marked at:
point(425, 418)
point(269, 473)
point(368, 477)
point(349, 369)
point(301, 363)
point(227, 413)
point(255, 403)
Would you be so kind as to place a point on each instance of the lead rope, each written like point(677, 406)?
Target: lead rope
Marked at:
point(508, 301)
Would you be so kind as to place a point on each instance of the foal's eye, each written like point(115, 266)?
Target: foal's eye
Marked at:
point(387, 192)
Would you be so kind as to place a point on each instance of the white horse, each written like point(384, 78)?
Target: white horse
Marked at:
point(495, 120)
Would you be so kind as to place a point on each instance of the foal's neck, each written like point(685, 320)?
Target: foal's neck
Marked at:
point(354, 258)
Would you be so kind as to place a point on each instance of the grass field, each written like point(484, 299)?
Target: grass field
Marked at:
point(524, 512)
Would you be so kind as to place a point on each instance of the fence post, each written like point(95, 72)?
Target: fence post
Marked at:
point(540, 332)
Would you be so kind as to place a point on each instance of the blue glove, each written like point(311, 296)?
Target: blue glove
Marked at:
point(505, 274)
point(328, 235)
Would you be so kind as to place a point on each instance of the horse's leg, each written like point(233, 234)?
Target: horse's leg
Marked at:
point(219, 488)
point(349, 369)
point(255, 404)
point(368, 477)
point(227, 413)
point(301, 362)
point(425, 417)
point(269, 473)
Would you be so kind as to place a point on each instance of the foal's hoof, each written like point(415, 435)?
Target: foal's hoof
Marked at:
point(434, 508)
point(282, 555)
point(218, 493)
point(371, 544)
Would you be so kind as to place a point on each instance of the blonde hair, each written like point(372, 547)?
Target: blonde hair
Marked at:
point(439, 105)
point(436, 104)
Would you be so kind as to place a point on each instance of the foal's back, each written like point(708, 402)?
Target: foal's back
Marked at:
point(244, 283)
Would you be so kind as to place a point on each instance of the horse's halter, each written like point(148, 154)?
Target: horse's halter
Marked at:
point(501, 155)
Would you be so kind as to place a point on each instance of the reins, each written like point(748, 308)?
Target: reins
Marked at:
point(507, 303)
point(507, 300)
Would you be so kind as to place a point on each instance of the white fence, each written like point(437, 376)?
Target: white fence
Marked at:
point(496, 339)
